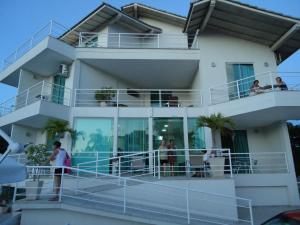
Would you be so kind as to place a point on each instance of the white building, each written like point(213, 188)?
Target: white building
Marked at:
point(165, 71)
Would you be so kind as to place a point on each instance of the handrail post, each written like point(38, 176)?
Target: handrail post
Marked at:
point(158, 41)
point(61, 184)
point(238, 89)
point(159, 98)
point(124, 196)
point(118, 92)
point(15, 193)
point(51, 25)
point(271, 80)
point(230, 163)
point(187, 206)
point(27, 95)
point(97, 158)
point(250, 212)
point(119, 166)
point(119, 40)
point(250, 161)
point(42, 90)
point(154, 163)
point(158, 163)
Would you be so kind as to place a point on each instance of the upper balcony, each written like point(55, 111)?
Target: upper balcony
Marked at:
point(259, 105)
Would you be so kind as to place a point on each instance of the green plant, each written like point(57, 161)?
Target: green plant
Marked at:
point(105, 94)
point(57, 128)
point(216, 122)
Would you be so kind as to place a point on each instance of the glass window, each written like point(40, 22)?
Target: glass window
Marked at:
point(196, 135)
point(96, 138)
point(133, 135)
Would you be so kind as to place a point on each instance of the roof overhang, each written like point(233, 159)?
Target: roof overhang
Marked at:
point(140, 10)
point(104, 15)
point(281, 33)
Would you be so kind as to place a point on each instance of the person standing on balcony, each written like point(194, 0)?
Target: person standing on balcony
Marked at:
point(171, 156)
point(163, 156)
point(255, 88)
point(59, 155)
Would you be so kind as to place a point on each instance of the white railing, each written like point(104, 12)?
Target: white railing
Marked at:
point(134, 40)
point(137, 197)
point(259, 163)
point(191, 163)
point(43, 90)
point(243, 88)
point(52, 29)
point(138, 98)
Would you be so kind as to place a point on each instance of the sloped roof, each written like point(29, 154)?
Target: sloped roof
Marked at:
point(137, 9)
point(280, 32)
point(101, 17)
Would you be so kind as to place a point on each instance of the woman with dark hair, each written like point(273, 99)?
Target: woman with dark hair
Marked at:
point(255, 88)
point(280, 84)
point(59, 156)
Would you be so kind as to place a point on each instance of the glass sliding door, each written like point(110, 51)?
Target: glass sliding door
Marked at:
point(243, 74)
point(196, 135)
point(133, 138)
point(95, 141)
point(170, 129)
point(58, 90)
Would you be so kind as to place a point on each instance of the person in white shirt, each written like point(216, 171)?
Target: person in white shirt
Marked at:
point(59, 155)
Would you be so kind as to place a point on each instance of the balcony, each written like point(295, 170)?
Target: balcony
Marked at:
point(36, 104)
point(138, 98)
point(260, 106)
point(135, 40)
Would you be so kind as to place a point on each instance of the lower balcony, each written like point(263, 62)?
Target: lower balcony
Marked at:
point(34, 106)
point(138, 98)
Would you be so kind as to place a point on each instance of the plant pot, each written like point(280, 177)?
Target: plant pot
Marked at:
point(103, 104)
point(33, 189)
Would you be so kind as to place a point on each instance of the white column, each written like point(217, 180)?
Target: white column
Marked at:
point(150, 140)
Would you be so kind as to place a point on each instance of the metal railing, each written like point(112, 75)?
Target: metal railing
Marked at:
point(52, 29)
point(138, 98)
point(259, 163)
point(135, 197)
point(134, 40)
point(216, 163)
point(43, 90)
point(243, 88)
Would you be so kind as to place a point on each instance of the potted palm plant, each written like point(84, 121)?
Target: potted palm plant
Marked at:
point(105, 95)
point(57, 128)
point(218, 124)
point(37, 155)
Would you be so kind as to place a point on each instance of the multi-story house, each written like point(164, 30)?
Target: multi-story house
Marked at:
point(128, 79)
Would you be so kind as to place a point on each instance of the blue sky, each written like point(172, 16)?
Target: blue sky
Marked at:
point(19, 19)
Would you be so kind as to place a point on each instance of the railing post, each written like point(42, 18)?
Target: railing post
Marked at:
point(119, 40)
point(271, 80)
point(61, 184)
point(154, 163)
point(238, 89)
point(250, 212)
point(15, 193)
point(27, 95)
point(159, 97)
point(42, 90)
point(187, 206)
point(124, 196)
point(97, 158)
point(118, 92)
point(158, 40)
point(158, 164)
point(230, 163)
point(51, 27)
point(250, 162)
point(119, 166)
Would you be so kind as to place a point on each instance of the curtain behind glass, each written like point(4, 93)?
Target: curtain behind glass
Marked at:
point(240, 142)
